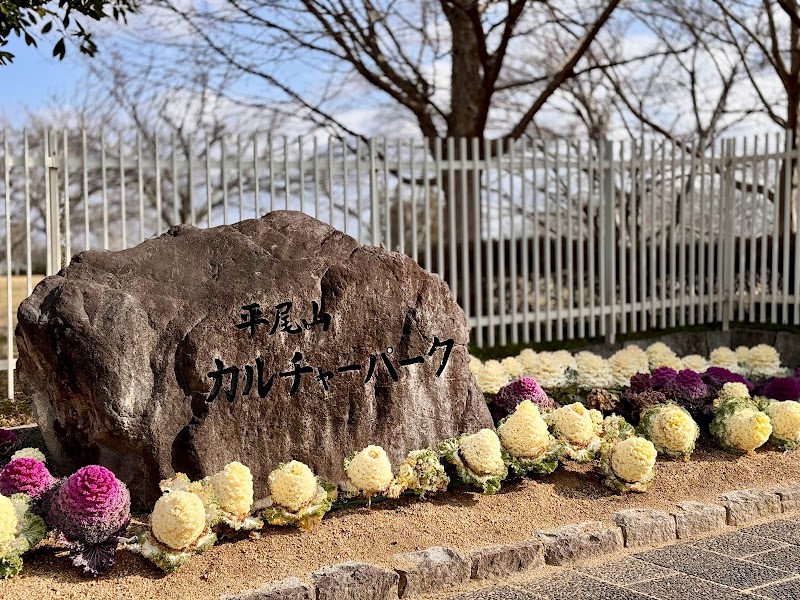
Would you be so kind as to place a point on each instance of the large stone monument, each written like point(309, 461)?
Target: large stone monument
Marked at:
point(273, 339)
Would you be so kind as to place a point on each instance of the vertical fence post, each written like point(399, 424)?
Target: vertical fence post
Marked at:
point(610, 237)
point(375, 236)
point(10, 366)
point(53, 202)
point(727, 232)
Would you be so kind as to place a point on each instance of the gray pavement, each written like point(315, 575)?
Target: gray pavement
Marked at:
point(756, 562)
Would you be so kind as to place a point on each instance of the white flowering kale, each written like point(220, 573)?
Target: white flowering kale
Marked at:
point(762, 361)
point(422, 473)
point(785, 420)
point(477, 459)
point(528, 446)
point(728, 359)
point(573, 426)
point(629, 465)
point(671, 428)
point(20, 531)
point(661, 355)
point(593, 371)
point(491, 376)
point(297, 496)
point(626, 363)
point(739, 426)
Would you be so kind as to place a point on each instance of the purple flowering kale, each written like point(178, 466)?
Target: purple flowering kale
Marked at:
point(641, 382)
point(662, 376)
point(8, 443)
point(782, 388)
point(686, 388)
point(634, 403)
point(716, 377)
point(685, 385)
point(91, 509)
point(26, 476)
point(510, 396)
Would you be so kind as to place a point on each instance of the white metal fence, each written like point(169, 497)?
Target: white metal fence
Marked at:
point(539, 240)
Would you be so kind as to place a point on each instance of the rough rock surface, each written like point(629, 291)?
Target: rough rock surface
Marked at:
point(118, 347)
point(430, 570)
point(573, 543)
point(644, 527)
point(694, 518)
point(355, 581)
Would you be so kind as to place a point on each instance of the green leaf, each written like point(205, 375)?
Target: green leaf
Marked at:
point(60, 49)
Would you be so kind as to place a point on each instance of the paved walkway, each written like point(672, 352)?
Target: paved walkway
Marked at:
point(757, 562)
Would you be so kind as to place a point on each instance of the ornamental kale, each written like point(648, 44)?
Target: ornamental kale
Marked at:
point(510, 396)
point(782, 388)
point(26, 476)
point(91, 509)
point(685, 388)
point(8, 443)
point(716, 377)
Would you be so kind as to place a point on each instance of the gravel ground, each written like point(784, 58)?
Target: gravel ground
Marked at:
point(458, 519)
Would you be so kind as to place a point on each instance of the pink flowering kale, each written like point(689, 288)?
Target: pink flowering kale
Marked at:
point(26, 476)
point(782, 388)
point(8, 442)
point(510, 396)
point(91, 509)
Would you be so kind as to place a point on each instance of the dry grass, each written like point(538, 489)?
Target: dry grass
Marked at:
point(19, 291)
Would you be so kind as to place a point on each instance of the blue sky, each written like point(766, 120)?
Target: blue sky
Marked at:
point(35, 76)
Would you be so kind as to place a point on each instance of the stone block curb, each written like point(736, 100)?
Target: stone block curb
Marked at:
point(693, 519)
point(437, 568)
point(746, 506)
point(355, 581)
point(286, 589)
point(507, 559)
point(577, 542)
point(643, 527)
point(790, 499)
point(430, 570)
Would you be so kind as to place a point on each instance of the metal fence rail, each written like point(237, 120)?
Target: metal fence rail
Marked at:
point(539, 240)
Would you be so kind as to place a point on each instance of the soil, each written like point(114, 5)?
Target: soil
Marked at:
point(458, 519)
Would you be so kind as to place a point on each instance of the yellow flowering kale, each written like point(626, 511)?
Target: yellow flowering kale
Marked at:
point(178, 519)
point(369, 472)
point(573, 426)
point(297, 496)
point(229, 490)
point(179, 528)
point(739, 426)
point(421, 473)
point(477, 459)
point(785, 420)
point(233, 489)
point(20, 531)
point(671, 428)
point(629, 465)
point(528, 447)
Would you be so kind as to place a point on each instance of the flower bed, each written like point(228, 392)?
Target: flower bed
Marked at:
point(612, 421)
